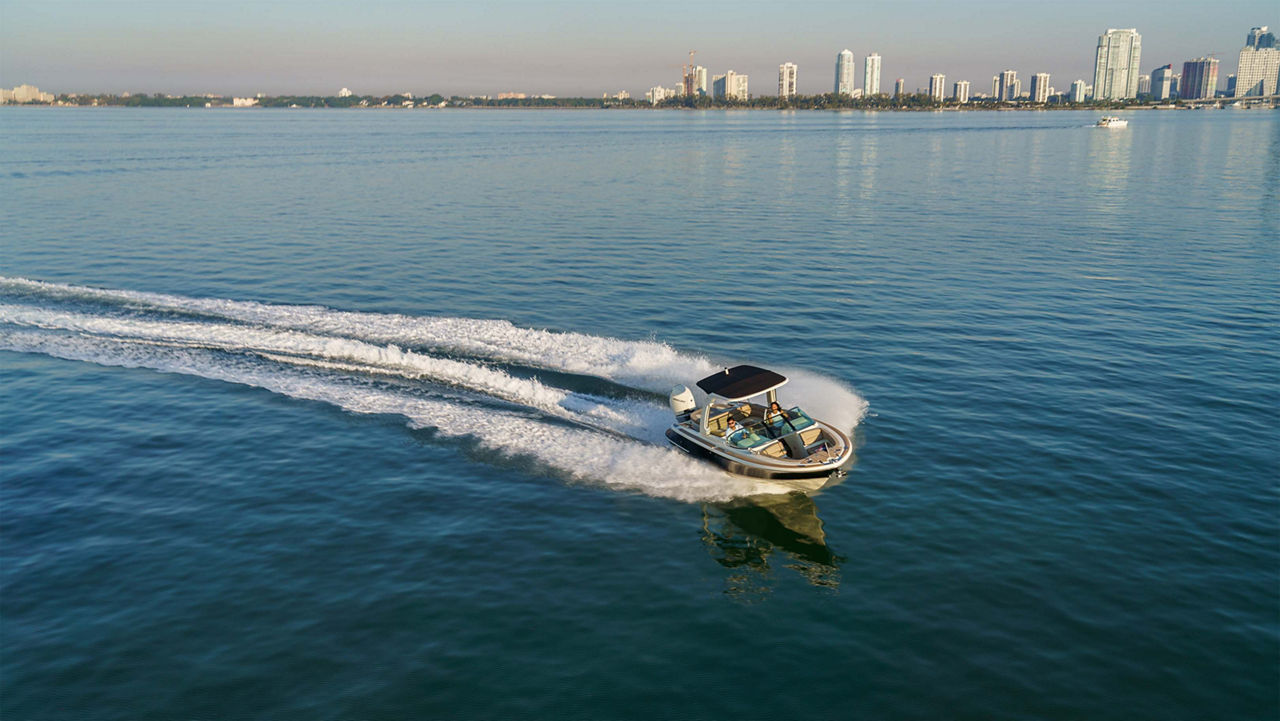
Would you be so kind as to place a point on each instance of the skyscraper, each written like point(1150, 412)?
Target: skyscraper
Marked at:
point(1007, 86)
point(1258, 72)
point(1199, 79)
point(961, 91)
point(844, 73)
point(1078, 94)
point(1115, 67)
point(871, 76)
point(1040, 88)
point(1144, 85)
point(937, 86)
point(899, 87)
point(995, 86)
point(731, 86)
point(787, 80)
point(1260, 38)
point(700, 81)
point(1162, 82)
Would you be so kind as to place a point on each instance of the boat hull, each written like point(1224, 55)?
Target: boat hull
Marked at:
point(812, 477)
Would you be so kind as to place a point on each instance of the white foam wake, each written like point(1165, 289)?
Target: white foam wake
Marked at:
point(310, 352)
point(577, 453)
point(639, 420)
point(647, 365)
point(643, 364)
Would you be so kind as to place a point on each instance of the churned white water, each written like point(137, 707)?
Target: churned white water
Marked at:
point(314, 353)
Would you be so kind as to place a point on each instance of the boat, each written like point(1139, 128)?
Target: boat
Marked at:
point(1112, 121)
point(792, 447)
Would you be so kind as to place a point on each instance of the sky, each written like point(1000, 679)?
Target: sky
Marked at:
point(581, 48)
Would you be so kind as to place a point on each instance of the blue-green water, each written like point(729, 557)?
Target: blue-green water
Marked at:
point(286, 436)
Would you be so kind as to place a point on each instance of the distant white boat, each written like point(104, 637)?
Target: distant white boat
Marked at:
point(1112, 121)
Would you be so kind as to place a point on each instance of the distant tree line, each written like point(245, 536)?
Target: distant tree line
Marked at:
point(824, 101)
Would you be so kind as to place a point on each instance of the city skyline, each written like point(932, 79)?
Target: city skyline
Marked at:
point(567, 48)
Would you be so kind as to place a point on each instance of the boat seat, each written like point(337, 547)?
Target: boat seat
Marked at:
point(777, 449)
point(716, 424)
point(809, 436)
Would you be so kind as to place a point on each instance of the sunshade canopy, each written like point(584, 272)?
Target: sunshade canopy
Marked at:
point(741, 382)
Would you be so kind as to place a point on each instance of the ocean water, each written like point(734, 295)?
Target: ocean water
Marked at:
point(345, 415)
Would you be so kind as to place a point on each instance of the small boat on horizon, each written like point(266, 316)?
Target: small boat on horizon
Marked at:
point(754, 439)
point(1112, 121)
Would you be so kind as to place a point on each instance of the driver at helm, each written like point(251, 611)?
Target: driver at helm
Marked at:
point(732, 429)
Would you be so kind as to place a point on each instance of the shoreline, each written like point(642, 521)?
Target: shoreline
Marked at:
point(1220, 104)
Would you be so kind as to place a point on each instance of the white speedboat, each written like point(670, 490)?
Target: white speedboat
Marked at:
point(1112, 121)
point(790, 446)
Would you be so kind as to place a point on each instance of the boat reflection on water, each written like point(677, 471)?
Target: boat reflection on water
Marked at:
point(752, 536)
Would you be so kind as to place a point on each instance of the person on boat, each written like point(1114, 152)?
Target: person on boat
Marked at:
point(732, 431)
point(775, 413)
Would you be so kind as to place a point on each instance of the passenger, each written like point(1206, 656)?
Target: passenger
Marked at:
point(776, 414)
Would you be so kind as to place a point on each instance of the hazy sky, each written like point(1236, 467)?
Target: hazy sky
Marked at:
point(573, 47)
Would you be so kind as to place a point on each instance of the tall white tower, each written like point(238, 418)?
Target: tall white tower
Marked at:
point(1258, 71)
point(937, 85)
point(1040, 88)
point(1007, 85)
point(871, 76)
point(787, 80)
point(844, 73)
point(1115, 69)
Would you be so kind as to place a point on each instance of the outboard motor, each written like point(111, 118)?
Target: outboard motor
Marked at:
point(682, 402)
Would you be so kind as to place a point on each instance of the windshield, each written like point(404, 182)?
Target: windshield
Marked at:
point(750, 435)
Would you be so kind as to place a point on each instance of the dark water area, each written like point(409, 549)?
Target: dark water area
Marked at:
point(335, 415)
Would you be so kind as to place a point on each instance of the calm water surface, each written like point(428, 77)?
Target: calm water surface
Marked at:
point(336, 415)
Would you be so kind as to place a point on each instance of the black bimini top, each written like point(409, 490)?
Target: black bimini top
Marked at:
point(741, 382)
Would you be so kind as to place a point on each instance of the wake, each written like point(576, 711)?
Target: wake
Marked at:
point(436, 372)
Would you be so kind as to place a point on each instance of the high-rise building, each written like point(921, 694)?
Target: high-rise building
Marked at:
point(731, 86)
point(960, 92)
point(700, 81)
point(937, 86)
point(1078, 92)
point(1115, 68)
point(1175, 85)
point(844, 73)
point(1040, 88)
point(995, 86)
point(1199, 79)
point(787, 80)
point(899, 87)
point(25, 94)
point(1007, 85)
point(1260, 38)
point(656, 95)
point(1162, 82)
point(1258, 72)
point(871, 75)
point(1144, 85)
point(1231, 85)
